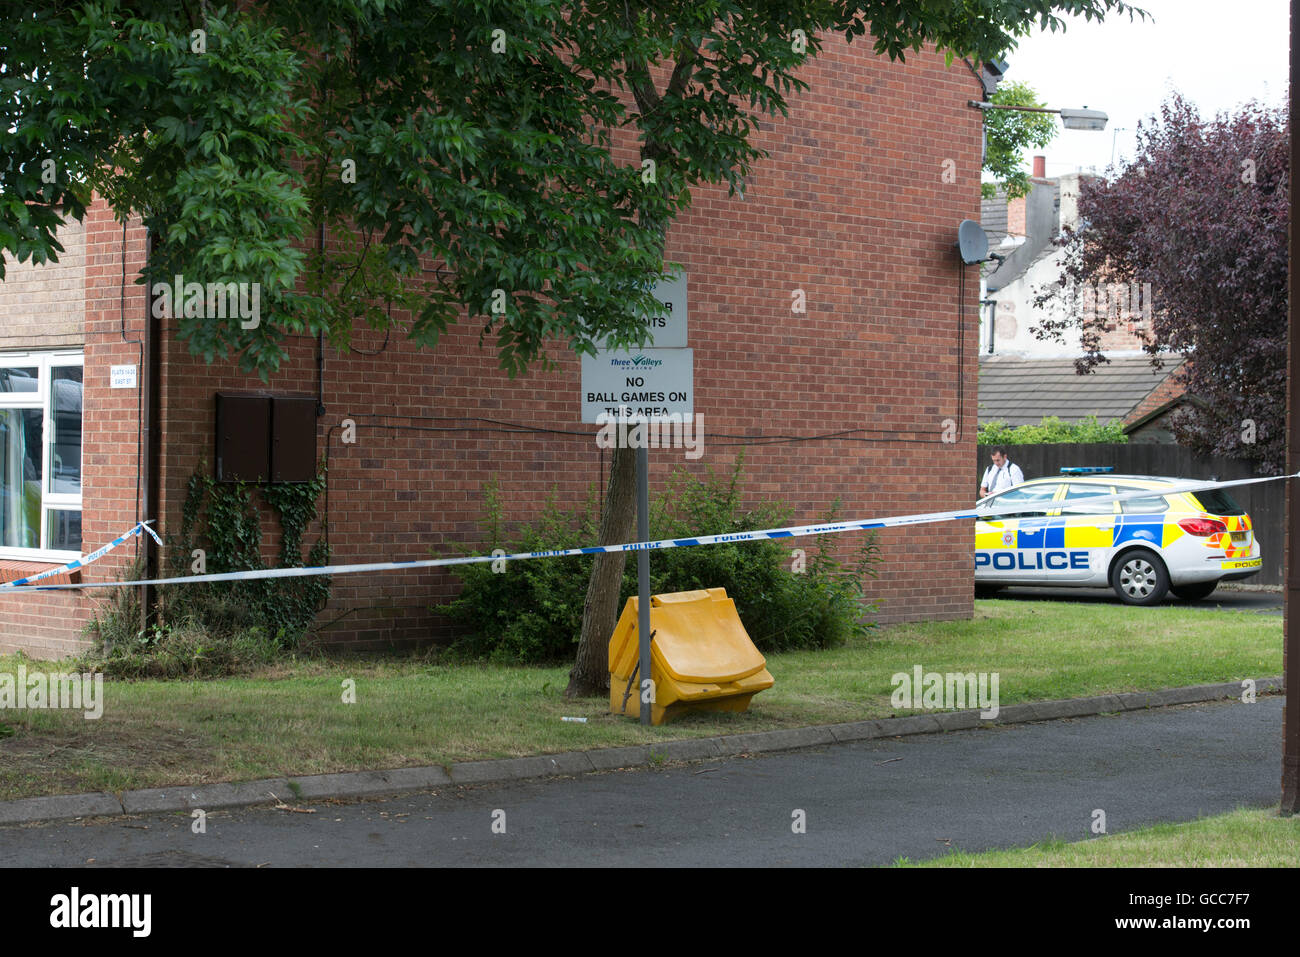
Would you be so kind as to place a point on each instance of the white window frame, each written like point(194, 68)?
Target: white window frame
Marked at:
point(43, 399)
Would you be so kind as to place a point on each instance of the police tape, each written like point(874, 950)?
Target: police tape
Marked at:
point(85, 559)
point(796, 531)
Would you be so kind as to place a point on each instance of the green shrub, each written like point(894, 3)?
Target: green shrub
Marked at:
point(187, 650)
point(1053, 430)
point(533, 611)
point(116, 621)
point(217, 628)
point(223, 520)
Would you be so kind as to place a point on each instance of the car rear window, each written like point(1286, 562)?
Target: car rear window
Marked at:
point(1218, 502)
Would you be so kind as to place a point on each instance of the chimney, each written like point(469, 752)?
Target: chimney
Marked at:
point(1016, 225)
point(1040, 167)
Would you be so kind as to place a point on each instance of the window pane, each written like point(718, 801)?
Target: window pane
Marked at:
point(65, 531)
point(1142, 506)
point(1075, 492)
point(20, 478)
point(15, 379)
point(1218, 502)
point(65, 455)
point(1025, 495)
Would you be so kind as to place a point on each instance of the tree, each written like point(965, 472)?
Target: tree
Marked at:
point(1008, 133)
point(468, 141)
point(453, 140)
point(1193, 232)
point(698, 124)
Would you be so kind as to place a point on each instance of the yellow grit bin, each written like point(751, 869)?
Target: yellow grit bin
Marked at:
point(701, 657)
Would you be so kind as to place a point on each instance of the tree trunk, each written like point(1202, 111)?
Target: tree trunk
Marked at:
point(590, 674)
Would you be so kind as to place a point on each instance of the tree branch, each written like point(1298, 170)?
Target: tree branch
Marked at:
point(683, 70)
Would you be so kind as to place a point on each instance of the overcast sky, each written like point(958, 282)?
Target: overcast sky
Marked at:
point(1218, 54)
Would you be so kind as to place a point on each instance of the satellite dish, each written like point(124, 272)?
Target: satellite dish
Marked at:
point(972, 241)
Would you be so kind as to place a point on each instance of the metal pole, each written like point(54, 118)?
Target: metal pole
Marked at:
point(985, 105)
point(643, 574)
point(151, 438)
point(1291, 598)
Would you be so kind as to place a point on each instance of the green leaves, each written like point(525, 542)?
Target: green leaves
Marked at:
point(225, 520)
point(533, 612)
point(478, 133)
point(1009, 132)
point(1051, 430)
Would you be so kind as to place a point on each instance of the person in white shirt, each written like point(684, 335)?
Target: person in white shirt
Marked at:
point(1002, 474)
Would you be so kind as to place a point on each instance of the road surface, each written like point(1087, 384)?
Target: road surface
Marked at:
point(866, 803)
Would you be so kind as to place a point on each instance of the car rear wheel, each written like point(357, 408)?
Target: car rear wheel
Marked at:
point(987, 591)
point(1140, 578)
point(1194, 592)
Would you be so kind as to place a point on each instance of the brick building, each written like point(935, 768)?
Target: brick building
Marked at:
point(858, 205)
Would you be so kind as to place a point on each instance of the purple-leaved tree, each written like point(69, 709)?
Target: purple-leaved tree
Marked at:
point(1201, 216)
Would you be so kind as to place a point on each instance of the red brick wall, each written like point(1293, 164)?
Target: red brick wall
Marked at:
point(1170, 387)
point(1016, 217)
point(1127, 307)
point(50, 624)
point(853, 206)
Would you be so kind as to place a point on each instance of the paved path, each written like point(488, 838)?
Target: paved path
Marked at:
point(864, 804)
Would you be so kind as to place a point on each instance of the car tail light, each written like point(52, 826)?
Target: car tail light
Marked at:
point(1202, 527)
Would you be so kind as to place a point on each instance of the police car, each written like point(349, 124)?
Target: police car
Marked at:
point(1143, 548)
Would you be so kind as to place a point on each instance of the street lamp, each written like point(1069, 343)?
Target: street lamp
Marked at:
point(1084, 119)
point(1071, 119)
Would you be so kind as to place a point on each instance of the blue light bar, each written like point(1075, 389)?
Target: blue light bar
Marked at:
point(1087, 469)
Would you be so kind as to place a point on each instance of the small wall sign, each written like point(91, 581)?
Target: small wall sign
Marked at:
point(122, 377)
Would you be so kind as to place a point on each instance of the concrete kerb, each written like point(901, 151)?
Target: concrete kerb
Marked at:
point(98, 804)
point(206, 796)
point(516, 769)
point(366, 784)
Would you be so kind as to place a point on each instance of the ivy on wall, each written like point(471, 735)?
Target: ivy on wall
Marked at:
point(221, 531)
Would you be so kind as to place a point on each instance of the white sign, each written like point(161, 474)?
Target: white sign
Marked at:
point(122, 377)
point(668, 323)
point(653, 383)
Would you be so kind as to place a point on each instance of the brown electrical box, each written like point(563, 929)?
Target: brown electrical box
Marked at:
point(243, 437)
point(265, 438)
point(293, 439)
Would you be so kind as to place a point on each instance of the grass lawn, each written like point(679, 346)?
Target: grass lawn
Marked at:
point(290, 719)
point(1248, 837)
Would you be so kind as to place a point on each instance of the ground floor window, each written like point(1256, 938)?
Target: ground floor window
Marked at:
point(40, 455)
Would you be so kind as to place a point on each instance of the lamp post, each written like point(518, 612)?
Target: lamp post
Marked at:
point(1291, 535)
point(1071, 119)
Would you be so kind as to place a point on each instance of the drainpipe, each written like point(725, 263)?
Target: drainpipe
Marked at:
point(152, 429)
point(990, 312)
point(320, 336)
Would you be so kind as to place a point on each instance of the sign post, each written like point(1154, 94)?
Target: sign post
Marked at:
point(636, 390)
point(643, 577)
